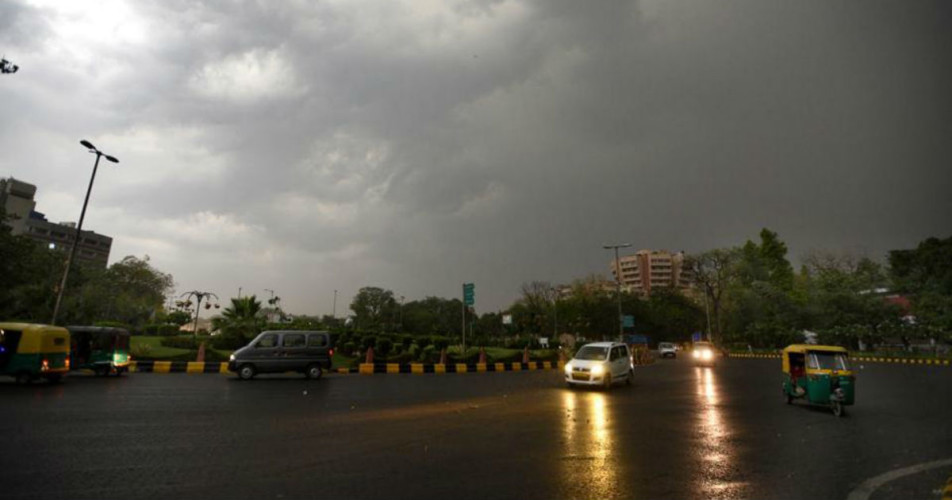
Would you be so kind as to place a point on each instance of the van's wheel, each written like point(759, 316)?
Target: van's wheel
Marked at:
point(607, 381)
point(246, 372)
point(631, 375)
point(313, 372)
point(100, 371)
point(838, 409)
point(24, 378)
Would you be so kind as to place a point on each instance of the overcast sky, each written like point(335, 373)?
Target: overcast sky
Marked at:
point(414, 145)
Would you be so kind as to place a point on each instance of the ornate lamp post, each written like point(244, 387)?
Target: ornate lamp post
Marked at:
point(199, 296)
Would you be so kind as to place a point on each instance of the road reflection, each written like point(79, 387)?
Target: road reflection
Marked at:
point(714, 452)
point(587, 461)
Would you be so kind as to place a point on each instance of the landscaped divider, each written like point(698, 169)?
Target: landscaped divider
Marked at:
point(196, 367)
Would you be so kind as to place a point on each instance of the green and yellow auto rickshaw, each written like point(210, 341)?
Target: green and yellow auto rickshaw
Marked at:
point(31, 351)
point(103, 350)
point(820, 375)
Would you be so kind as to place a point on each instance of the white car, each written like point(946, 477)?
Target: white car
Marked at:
point(703, 353)
point(601, 363)
point(667, 350)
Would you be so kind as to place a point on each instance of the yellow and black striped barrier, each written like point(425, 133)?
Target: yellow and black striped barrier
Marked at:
point(947, 491)
point(865, 359)
point(439, 369)
point(191, 367)
point(195, 367)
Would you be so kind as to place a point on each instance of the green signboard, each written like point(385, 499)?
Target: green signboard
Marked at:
point(469, 294)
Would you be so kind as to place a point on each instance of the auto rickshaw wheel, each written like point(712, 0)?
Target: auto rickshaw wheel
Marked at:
point(838, 409)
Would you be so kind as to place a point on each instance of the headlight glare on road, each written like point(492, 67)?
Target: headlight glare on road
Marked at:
point(598, 370)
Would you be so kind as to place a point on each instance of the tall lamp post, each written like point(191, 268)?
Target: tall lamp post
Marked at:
point(621, 325)
point(79, 227)
point(199, 296)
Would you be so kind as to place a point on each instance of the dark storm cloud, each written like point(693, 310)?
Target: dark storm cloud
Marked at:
point(312, 146)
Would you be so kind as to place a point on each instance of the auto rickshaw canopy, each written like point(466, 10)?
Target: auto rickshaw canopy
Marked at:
point(805, 348)
point(36, 338)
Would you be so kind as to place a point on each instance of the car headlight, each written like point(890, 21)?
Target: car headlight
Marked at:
point(231, 357)
point(598, 370)
point(696, 354)
point(568, 368)
point(706, 354)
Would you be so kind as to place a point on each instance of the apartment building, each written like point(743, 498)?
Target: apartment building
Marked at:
point(653, 269)
point(18, 201)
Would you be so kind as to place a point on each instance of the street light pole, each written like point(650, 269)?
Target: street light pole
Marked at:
point(79, 227)
point(334, 311)
point(198, 305)
point(621, 326)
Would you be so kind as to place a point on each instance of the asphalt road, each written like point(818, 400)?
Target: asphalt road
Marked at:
point(678, 432)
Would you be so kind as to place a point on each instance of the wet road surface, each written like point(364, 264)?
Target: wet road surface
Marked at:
point(679, 432)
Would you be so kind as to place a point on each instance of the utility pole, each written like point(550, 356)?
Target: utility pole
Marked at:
point(621, 326)
point(334, 310)
point(239, 292)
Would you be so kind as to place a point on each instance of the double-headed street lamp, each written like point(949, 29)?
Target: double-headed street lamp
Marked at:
point(79, 227)
point(199, 296)
point(621, 324)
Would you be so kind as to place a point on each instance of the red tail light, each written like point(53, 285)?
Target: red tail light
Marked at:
point(330, 352)
point(46, 365)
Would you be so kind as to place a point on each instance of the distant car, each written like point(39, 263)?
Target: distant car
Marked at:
point(703, 353)
point(284, 351)
point(667, 350)
point(601, 363)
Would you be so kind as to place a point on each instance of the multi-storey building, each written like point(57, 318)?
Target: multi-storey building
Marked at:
point(17, 200)
point(651, 269)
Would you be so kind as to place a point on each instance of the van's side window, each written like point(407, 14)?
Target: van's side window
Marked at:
point(317, 340)
point(293, 340)
point(269, 340)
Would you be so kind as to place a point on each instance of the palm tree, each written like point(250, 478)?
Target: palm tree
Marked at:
point(241, 318)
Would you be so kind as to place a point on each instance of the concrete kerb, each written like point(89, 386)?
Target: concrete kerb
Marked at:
point(865, 359)
point(197, 367)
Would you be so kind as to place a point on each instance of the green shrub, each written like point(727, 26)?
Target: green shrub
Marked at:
point(180, 342)
point(368, 342)
point(440, 342)
point(414, 351)
point(427, 354)
point(349, 348)
point(141, 351)
point(229, 341)
point(384, 345)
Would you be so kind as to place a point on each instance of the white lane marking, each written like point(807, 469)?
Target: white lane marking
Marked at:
point(870, 485)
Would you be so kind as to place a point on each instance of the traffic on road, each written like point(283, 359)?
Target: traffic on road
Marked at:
point(681, 430)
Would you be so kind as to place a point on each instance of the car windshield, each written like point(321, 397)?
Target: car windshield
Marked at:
point(664, 345)
point(828, 361)
point(592, 353)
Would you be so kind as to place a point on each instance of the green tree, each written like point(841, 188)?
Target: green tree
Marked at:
point(375, 309)
point(714, 273)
